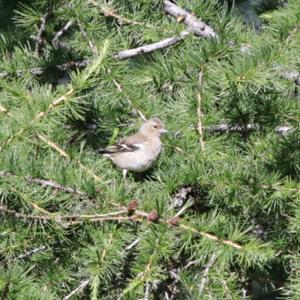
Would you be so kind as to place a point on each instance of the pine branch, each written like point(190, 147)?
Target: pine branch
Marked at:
point(175, 222)
point(125, 54)
point(211, 237)
point(193, 24)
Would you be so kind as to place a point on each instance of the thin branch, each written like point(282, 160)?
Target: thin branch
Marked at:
point(44, 19)
point(206, 235)
point(134, 243)
point(64, 154)
point(125, 54)
point(211, 236)
point(30, 253)
point(46, 183)
point(292, 75)
point(61, 32)
point(228, 128)
point(205, 273)
point(193, 24)
point(82, 286)
point(91, 44)
point(39, 71)
point(110, 13)
point(147, 291)
point(39, 116)
point(67, 220)
point(119, 87)
point(199, 109)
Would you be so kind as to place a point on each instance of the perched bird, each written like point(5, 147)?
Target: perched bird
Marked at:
point(137, 152)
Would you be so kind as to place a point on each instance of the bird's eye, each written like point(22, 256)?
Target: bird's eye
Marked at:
point(155, 126)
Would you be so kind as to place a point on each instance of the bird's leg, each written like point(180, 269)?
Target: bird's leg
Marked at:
point(124, 173)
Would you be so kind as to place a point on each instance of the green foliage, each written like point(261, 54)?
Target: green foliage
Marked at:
point(63, 208)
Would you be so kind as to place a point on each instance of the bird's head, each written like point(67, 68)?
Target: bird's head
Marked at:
point(153, 127)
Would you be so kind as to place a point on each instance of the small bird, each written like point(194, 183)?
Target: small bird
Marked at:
point(137, 152)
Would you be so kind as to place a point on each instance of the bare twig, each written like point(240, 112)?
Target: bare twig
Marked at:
point(228, 128)
point(91, 44)
point(67, 220)
point(82, 286)
point(110, 13)
point(119, 87)
point(147, 291)
point(193, 24)
point(199, 109)
point(211, 236)
point(44, 19)
point(46, 183)
point(39, 116)
point(39, 71)
point(206, 235)
point(134, 243)
point(125, 54)
point(64, 154)
point(30, 253)
point(292, 75)
point(205, 273)
point(61, 32)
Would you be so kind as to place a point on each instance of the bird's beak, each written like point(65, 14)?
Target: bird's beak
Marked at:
point(162, 130)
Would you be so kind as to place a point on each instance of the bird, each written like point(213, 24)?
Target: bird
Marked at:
point(138, 152)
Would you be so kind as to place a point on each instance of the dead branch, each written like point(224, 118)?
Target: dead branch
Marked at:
point(44, 19)
point(119, 87)
point(125, 54)
point(61, 32)
point(82, 285)
point(193, 24)
point(229, 128)
point(110, 13)
point(134, 243)
point(292, 75)
point(39, 71)
point(67, 220)
point(91, 44)
point(47, 183)
point(205, 273)
point(29, 253)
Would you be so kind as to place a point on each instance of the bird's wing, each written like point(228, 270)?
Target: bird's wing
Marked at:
point(127, 144)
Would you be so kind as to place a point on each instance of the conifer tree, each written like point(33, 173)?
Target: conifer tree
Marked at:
point(217, 217)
